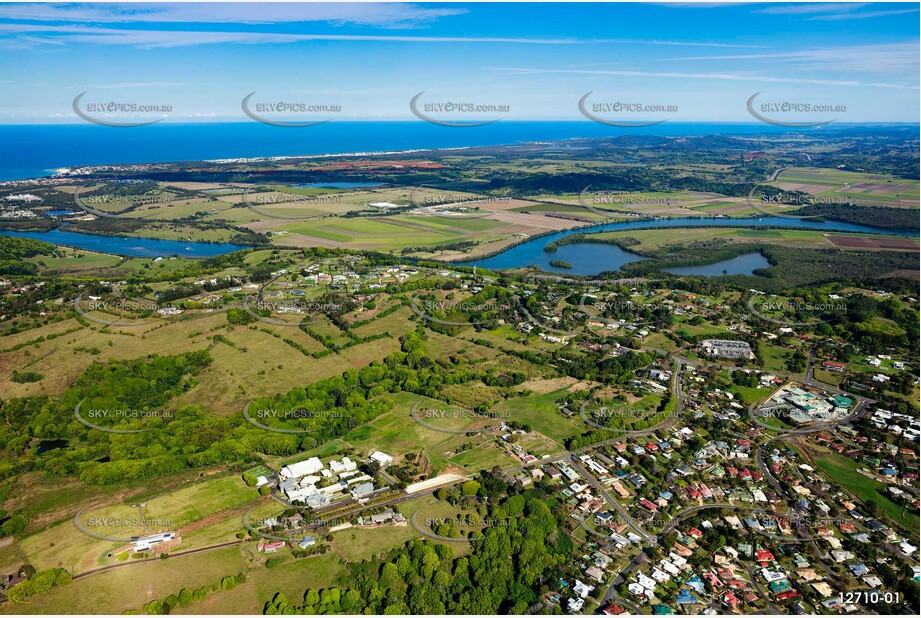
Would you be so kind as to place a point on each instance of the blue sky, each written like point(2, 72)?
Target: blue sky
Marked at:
point(538, 59)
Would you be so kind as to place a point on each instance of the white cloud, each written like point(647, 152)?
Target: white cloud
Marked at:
point(889, 58)
point(867, 15)
point(384, 15)
point(809, 8)
point(179, 38)
point(706, 76)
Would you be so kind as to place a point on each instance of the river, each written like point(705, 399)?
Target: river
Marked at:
point(130, 246)
point(591, 258)
point(586, 258)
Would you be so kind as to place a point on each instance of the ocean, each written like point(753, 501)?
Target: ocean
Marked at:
point(39, 150)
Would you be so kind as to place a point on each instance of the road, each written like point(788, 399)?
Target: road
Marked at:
point(753, 577)
point(650, 539)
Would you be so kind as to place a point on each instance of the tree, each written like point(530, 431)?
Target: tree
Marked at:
point(470, 488)
point(390, 576)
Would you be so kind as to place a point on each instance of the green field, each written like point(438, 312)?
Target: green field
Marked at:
point(130, 587)
point(844, 471)
point(865, 189)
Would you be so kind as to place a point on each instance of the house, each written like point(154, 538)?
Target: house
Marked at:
point(574, 606)
point(306, 542)
point(858, 569)
point(362, 489)
point(603, 518)
point(270, 547)
point(730, 600)
point(636, 589)
point(595, 573)
point(823, 589)
point(583, 590)
point(682, 550)
point(601, 560)
point(764, 556)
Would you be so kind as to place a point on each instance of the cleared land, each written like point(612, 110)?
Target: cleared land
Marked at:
point(865, 189)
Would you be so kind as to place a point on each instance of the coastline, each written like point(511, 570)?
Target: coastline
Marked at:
point(80, 146)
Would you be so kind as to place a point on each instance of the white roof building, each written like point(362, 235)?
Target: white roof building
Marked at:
point(145, 543)
point(301, 468)
point(382, 458)
point(583, 590)
point(346, 465)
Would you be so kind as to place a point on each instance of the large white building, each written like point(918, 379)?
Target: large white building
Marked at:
point(382, 458)
point(346, 465)
point(145, 543)
point(301, 468)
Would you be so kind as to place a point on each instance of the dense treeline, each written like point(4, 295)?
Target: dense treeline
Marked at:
point(875, 216)
point(519, 558)
point(106, 226)
point(186, 596)
point(790, 267)
point(332, 407)
point(13, 252)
